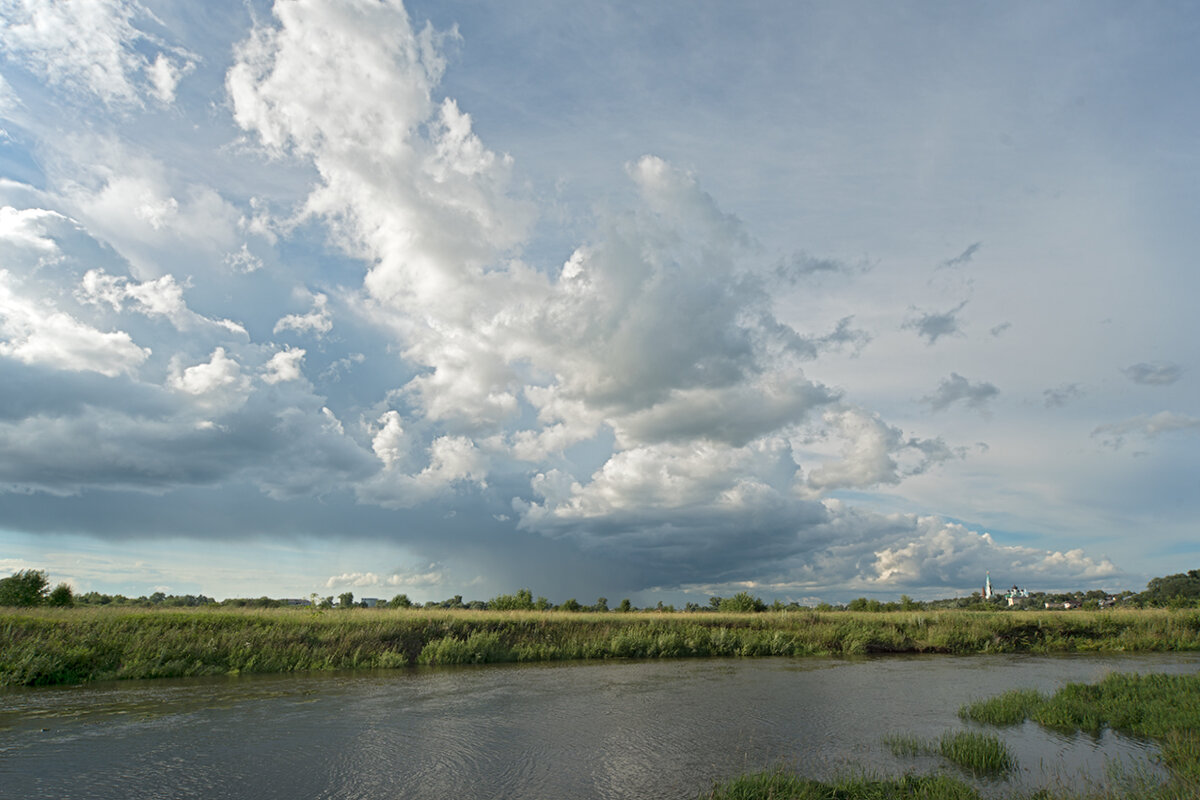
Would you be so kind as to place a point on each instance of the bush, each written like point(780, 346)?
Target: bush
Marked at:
point(61, 596)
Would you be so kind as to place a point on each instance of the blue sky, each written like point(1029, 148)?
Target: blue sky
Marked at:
point(651, 300)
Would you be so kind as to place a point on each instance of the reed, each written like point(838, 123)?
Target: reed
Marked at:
point(53, 646)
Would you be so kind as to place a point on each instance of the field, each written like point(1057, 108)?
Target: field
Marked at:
point(48, 647)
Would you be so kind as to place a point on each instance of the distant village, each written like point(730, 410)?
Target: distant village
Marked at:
point(1182, 590)
point(1017, 597)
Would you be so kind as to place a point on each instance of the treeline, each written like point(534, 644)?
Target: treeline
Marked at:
point(524, 600)
point(29, 588)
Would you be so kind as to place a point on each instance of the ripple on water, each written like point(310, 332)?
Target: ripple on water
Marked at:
point(608, 730)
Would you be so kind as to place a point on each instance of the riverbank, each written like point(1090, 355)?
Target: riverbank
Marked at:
point(48, 647)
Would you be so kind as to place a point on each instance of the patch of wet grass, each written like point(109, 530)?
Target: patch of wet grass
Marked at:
point(904, 745)
point(1010, 708)
point(780, 785)
point(978, 753)
point(1162, 708)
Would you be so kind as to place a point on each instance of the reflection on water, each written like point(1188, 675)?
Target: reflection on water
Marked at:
point(593, 730)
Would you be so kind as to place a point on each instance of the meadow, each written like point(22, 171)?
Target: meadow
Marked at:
point(47, 646)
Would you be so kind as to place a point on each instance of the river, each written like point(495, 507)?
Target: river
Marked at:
point(603, 730)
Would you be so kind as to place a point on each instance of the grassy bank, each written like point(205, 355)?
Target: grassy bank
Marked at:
point(47, 646)
point(1162, 708)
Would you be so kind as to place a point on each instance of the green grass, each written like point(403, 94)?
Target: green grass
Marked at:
point(1010, 708)
point(55, 646)
point(780, 785)
point(1163, 708)
point(978, 753)
point(1149, 706)
point(903, 744)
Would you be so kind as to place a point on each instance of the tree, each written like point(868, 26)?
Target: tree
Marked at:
point(601, 604)
point(25, 588)
point(742, 603)
point(346, 600)
point(1172, 589)
point(521, 601)
point(61, 596)
point(625, 606)
point(400, 601)
point(571, 605)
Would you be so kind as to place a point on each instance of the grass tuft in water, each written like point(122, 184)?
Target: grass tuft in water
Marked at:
point(1010, 708)
point(979, 753)
point(905, 744)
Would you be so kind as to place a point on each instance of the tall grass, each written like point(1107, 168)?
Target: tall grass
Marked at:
point(49, 646)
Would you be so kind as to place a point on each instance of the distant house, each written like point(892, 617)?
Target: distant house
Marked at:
point(294, 601)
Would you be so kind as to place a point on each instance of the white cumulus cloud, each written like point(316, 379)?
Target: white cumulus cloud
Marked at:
point(37, 333)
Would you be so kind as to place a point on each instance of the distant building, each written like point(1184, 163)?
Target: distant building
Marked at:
point(371, 602)
point(987, 587)
point(1014, 594)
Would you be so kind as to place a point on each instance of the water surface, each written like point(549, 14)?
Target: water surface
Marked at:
point(608, 730)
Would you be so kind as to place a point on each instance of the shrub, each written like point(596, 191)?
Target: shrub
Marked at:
point(61, 596)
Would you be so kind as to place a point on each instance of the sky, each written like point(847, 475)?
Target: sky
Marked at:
point(651, 300)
